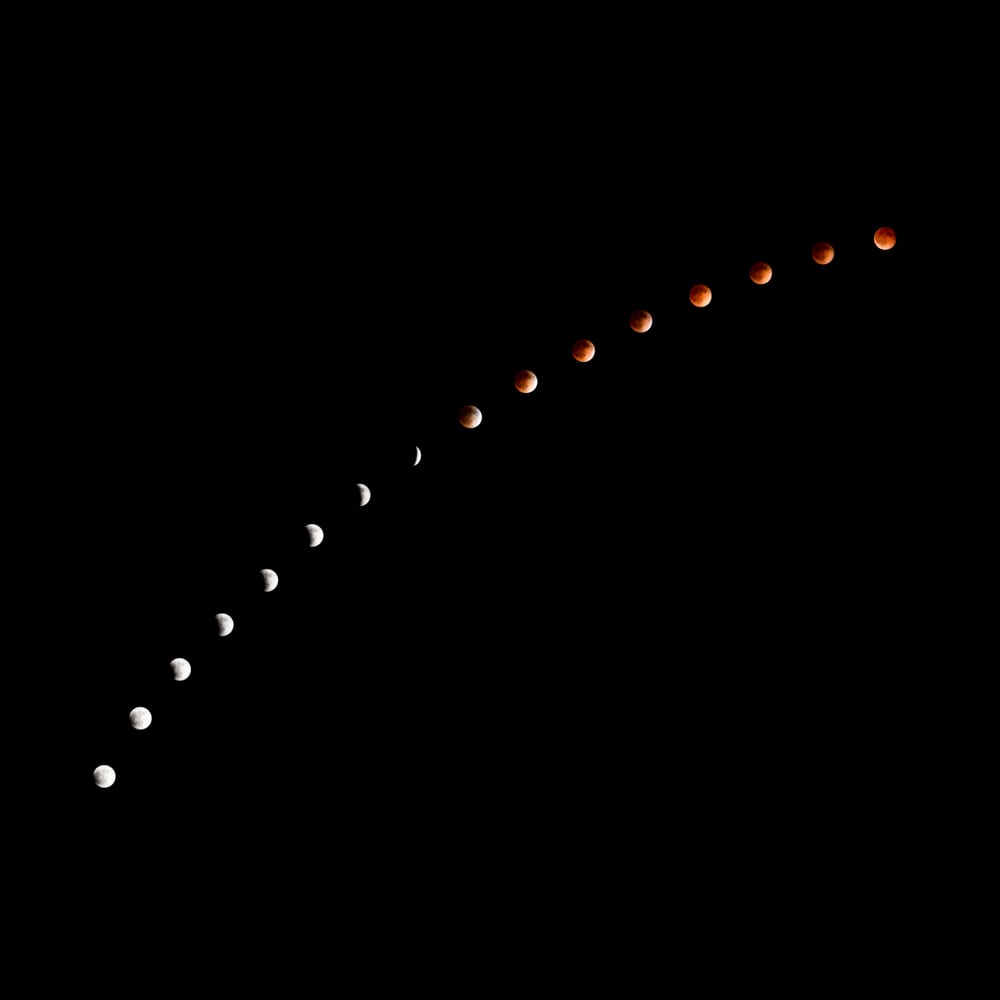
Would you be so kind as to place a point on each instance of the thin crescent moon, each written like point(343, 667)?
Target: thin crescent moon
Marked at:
point(416, 461)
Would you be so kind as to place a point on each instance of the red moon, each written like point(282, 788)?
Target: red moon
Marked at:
point(885, 238)
point(760, 273)
point(700, 295)
point(822, 252)
point(641, 321)
point(525, 381)
point(470, 416)
point(584, 350)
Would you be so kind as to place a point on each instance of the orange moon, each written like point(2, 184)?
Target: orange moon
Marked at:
point(470, 416)
point(584, 350)
point(885, 238)
point(525, 381)
point(822, 252)
point(760, 272)
point(641, 321)
point(700, 295)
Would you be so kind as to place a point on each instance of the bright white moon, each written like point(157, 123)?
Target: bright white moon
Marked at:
point(225, 623)
point(364, 493)
point(270, 579)
point(104, 776)
point(181, 668)
point(416, 461)
point(315, 533)
point(140, 718)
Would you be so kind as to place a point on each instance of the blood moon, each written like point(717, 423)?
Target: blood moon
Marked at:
point(470, 416)
point(641, 321)
point(525, 381)
point(760, 272)
point(885, 237)
point(822, 252)
point(700, 295)
point(583, 349)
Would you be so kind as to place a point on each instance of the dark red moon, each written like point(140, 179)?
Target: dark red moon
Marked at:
point(700, 295)
point(760, 272)
point(885, 238)
point(470, 416)
point(525, 381)
point(822, 252)
point(584, 350)
point(641, 321)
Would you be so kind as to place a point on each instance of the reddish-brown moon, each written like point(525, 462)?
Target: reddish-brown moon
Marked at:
point(641, 321)
point(760, 272)
point(470, 416)
point(584, 350)
point(822, 252)
point(885, 238)
point(525, 381)
point(700, 295)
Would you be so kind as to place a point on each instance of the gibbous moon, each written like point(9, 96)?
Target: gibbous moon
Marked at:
point(104, 776)
point(270, 579)
point(470, 416)
point(822, 252)
point(584, 350)
point(700, 295)
point(181, 668)
point(225, 623)
point(364, 494)
point(315, 535)
point(140, 718)
point(416, 460)
point(760, 272)
point(641, 321)
point(885, 238)
point(526, 381)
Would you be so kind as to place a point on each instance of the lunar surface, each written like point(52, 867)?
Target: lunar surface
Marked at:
point(225, 623)
point(140, 718)
point(822, 252)
point(104, 776)
point(181, 668)
point(760, 272)
point(885, 238)
point(584, 350)
point(364, 494)
point(641, 321)
point(525, 381)
point(700, 295)
point(470, 416)
point(270, 580)
point(315, 534)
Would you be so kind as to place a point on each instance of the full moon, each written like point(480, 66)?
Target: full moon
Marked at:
point(885, 238)
point(140, 718)
point(104, 776)
point(700, 295)
point(822, 252)
point(364, 494)
point(641, 321)
point(526, 381)
point(416, 459)
point(181, 668)
point(470, 416)
point(270, 579)
point(225, 623)
point(315, 534)
point(584, 350)
point(760, 272)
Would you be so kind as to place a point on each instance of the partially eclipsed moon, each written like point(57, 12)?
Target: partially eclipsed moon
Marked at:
point(104, 776)
point(181, 668)
point(700, 295)
point(270, 579)
point(315, 535)
point(641, 321)
point(885, 238)
point(364, 494)
point(584, 350)
point(470, 416)
point(822, 252)
point(140, 718)
point(760, 272)
point(225, 623)
point(525, 381)
point(416, 460)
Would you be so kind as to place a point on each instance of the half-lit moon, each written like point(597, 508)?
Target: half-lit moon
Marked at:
point(225, 623)
point(700, 295)
point(417, 457)
point(140, 718)
point(315, 535)
point(270, 580)
point(584, 350)
point(760, 272)
point(470, 416)
point(525, 381)
point(885, 238)
point(181, 668)
point(641, 321)
point(364, 494)
point(822, 252)
point(104, 776)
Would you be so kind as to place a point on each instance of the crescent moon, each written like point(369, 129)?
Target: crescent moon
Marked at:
point(364, 493)
point(181, 668)
point(416, 461)
point(315, 535)
point(225, 623)
point(270, 579)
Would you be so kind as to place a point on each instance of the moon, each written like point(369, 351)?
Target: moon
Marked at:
point(104, 776)
point(885, 237)
point(364, 494)
point(270, 579)
point(140, 718)
point(760, 272)
point(525, 381)
point(470, 416)
point(225, 623)
point(700, 295)
point(584, 350)
point(181, 668)
point(417, 457)
point(315, 534)
point(641, 321)
point(822, 252)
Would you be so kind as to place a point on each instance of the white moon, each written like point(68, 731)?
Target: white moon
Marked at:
point(140, 718)
point(416, 461)
point(104, 776)
point(315, 533)
point(181, 668)
point(364, 493)
point(225, 623)
point(270, 579)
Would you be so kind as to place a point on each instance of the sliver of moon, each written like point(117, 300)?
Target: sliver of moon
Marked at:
point(181, 668)
point(822, 252)
point(525, 381)
point(417, 457)
point(700, 295)
point(270, 580)
point(225, 623)
point(885, 237)
point(364, 494)
point(140, 718)
point(104, 776)
point(641, 321)
point(470, 416)
point(760, 272)
point(584, 350)
point(315, 535)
